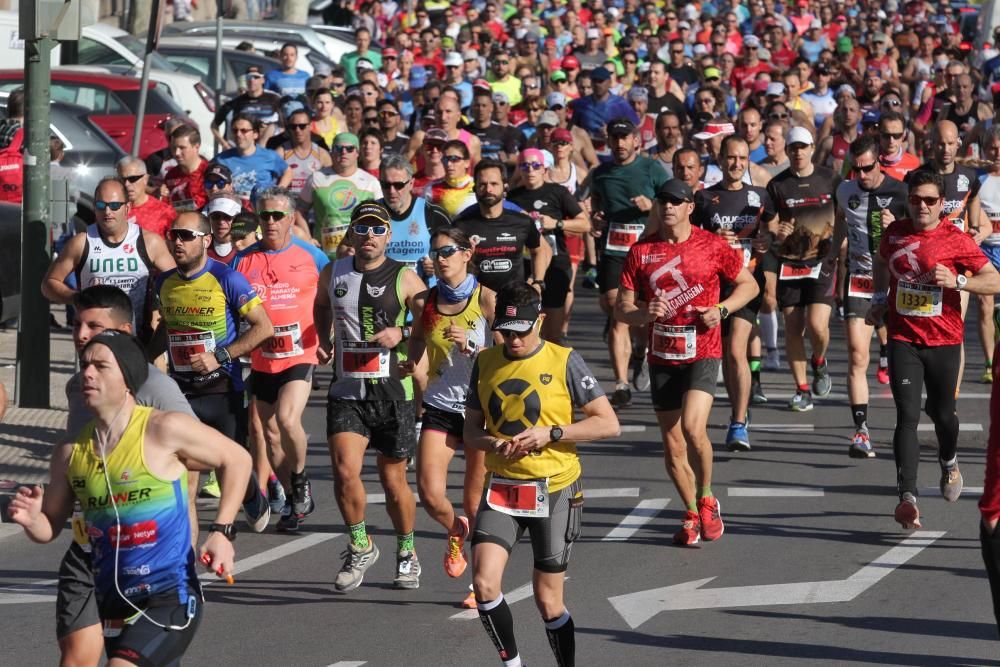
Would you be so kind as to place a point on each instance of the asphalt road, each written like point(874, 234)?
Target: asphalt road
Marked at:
point(811, 566)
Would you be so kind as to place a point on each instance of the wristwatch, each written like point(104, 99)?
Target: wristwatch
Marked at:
point(560, 224)
point(723, 311)
point(961, 281)
point(222, 356)
point(406, 333)
point(555, 434)
point(540, 283)
point(227, 529)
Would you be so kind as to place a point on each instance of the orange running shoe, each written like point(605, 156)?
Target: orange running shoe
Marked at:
point(690, 532)
point(454, 557)
point(711, 519)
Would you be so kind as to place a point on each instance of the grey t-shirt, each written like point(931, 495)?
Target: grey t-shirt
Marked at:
point(158, 391)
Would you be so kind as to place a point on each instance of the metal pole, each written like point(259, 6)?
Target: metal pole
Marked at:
point(220, 10)
point(154, 24)
point(33, 325)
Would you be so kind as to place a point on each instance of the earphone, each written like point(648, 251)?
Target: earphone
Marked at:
point(118, 533)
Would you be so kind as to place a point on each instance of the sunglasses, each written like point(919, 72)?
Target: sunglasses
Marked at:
point(712, 78)
point(530, 166)
point(268, 216)
point(134, 179)
point(556, 107)
point(298, 126)
point(445, 251)
point(388, 114)
point(376, 230)
point(185, 235)
point(448, 159)
point(916, 200)
point(673, 201)
point(501, 62)
point(892, 103)
point(394, 185)
point(344, 149)
point(211, 184)
point(868, 168)
point(892, 135)
point(516, 334)
point(778, 116)
point(100, 205)
point(373, 121)
point(560, 144)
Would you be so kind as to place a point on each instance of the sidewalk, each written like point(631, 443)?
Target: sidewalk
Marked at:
point(27, 434)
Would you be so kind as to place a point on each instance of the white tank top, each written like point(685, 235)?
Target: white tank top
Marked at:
point(571, 182)
point(124, 265)
point(989, 196)
point(301, 166)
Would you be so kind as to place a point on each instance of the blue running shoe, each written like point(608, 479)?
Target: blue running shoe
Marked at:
point(737, 438)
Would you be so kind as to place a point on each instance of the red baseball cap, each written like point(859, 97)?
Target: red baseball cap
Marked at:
point(570, 62)
point(562, 134)
point(386, 53)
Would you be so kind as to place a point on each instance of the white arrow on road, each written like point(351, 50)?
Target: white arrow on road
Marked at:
point(637, 608)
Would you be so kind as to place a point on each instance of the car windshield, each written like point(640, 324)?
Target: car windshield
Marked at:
point(139, 48)
point(157, 102)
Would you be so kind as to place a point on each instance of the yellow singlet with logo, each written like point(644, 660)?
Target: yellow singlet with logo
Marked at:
point(517, 394)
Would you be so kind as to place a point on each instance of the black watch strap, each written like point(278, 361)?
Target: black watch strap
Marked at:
point(227, 529)
point(222, 355)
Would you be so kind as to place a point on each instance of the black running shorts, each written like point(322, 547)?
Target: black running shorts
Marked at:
point(557, 283)
point(390, 426)
point(226, 413)
point(609, 272)
point(265, 386)
point(76, 607)
point(808, 291)
point(552, 537)
point(148, 645)
point(668, 384)
point(854, 306)
point(748, 312)
point(436, 419)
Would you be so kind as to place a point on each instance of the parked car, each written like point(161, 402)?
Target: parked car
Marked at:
point(309, 59)
point(113, 101)
point(331, 44)
point(200, 61)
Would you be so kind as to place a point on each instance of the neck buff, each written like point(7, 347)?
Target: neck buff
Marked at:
point(461, 293)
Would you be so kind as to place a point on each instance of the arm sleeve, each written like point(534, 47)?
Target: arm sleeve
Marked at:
point(472, 399)
point(582, 384)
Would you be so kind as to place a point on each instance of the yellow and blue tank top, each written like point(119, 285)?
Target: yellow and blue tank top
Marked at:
point(202, 312)
point(151, 529)
point(448, 369)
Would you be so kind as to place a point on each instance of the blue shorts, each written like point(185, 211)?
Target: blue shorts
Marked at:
point(992, 252)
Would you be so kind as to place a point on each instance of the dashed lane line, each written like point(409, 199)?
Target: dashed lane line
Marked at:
point(643, 513)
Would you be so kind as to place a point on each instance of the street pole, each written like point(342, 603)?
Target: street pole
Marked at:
point(33, 325)
point(151, 40)
point(220, 11)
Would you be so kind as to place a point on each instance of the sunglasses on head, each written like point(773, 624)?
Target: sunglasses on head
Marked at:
point(376, 230)
point(866, 168)
point(134, 179)
point(113, 205)
point(268, 216)
point(915, 200)
point(394, 185)
point(185, 235)
point(445, 251)
point(212, 183)
point(448, 159)
point(530, 166)
point(344, 149)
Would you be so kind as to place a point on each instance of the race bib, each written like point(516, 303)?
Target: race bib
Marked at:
point(286, 342)
point(791, 272)
point(914, 300)
point(861, 286)
point(744, 246)
point(519, 497)
point(331, 238)
point(364, 360)
point(621, 236)
point(674, 343)
point(183, 346)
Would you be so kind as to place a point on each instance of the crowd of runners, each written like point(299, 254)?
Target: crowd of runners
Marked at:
point(423, 218)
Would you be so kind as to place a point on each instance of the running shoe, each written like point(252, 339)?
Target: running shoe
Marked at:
point(275, 495)
point(951, 483)
point(907, 515)
point(211, 488)
point(470, 601)
point(590, 278)
point(737, 438)
point(356, 563)
point(454, 557)
point(256, 511)
point(987, 377)
point(822, 382)
point(690, 532)
point(302, 499)
point(289, 521)
point(640, 373)
point(710, 518)
point(772, 360)
point(861, 446)
point(882, 375)
point(757, 396)
point(407, 571)
point(622, 396)
point(801, 402)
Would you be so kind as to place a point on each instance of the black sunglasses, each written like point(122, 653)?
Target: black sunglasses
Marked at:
point(134, 179)
point(299, 126)
point(394, 185)
point(185, 235)
point(268, 216)
point(212, 183)
point(866, 168)
point(100, 205)
point(445, 251)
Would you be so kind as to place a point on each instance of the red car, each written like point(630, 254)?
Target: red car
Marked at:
point(113, 101)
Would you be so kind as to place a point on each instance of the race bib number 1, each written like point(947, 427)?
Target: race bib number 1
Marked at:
point(621, 237)
point(519, 497)
point(915, 300)
point(674, 343)
point(331, 238)
point(183, 346)
point(861, 286)
point(792, 272)
point(286, 342)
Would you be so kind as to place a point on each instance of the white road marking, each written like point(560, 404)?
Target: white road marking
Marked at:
point(773, 492)
point(966, 491)
point(835, 396)
point(632, 428)
point(348, 663)
point(782, 427)
point(35, 591)
point(637, 518)
point(376, 498)
point(516, 595)
point(271, 555)
point(626, 492)
point(973, 428)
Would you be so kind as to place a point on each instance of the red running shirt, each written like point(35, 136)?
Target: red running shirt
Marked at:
point(154, 216)
point(187, 191)
point(689, 273)
point(921, 312)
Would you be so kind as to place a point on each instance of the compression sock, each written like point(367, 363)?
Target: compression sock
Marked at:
point(755, 369)
point(804, 388)
point(562, 639)
point(769, 330)
point(359, 535)
point(818, 362)
point(860, 412)
point(705, 492)
point(404, 542)
point(693, 506)
point(499, 625)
